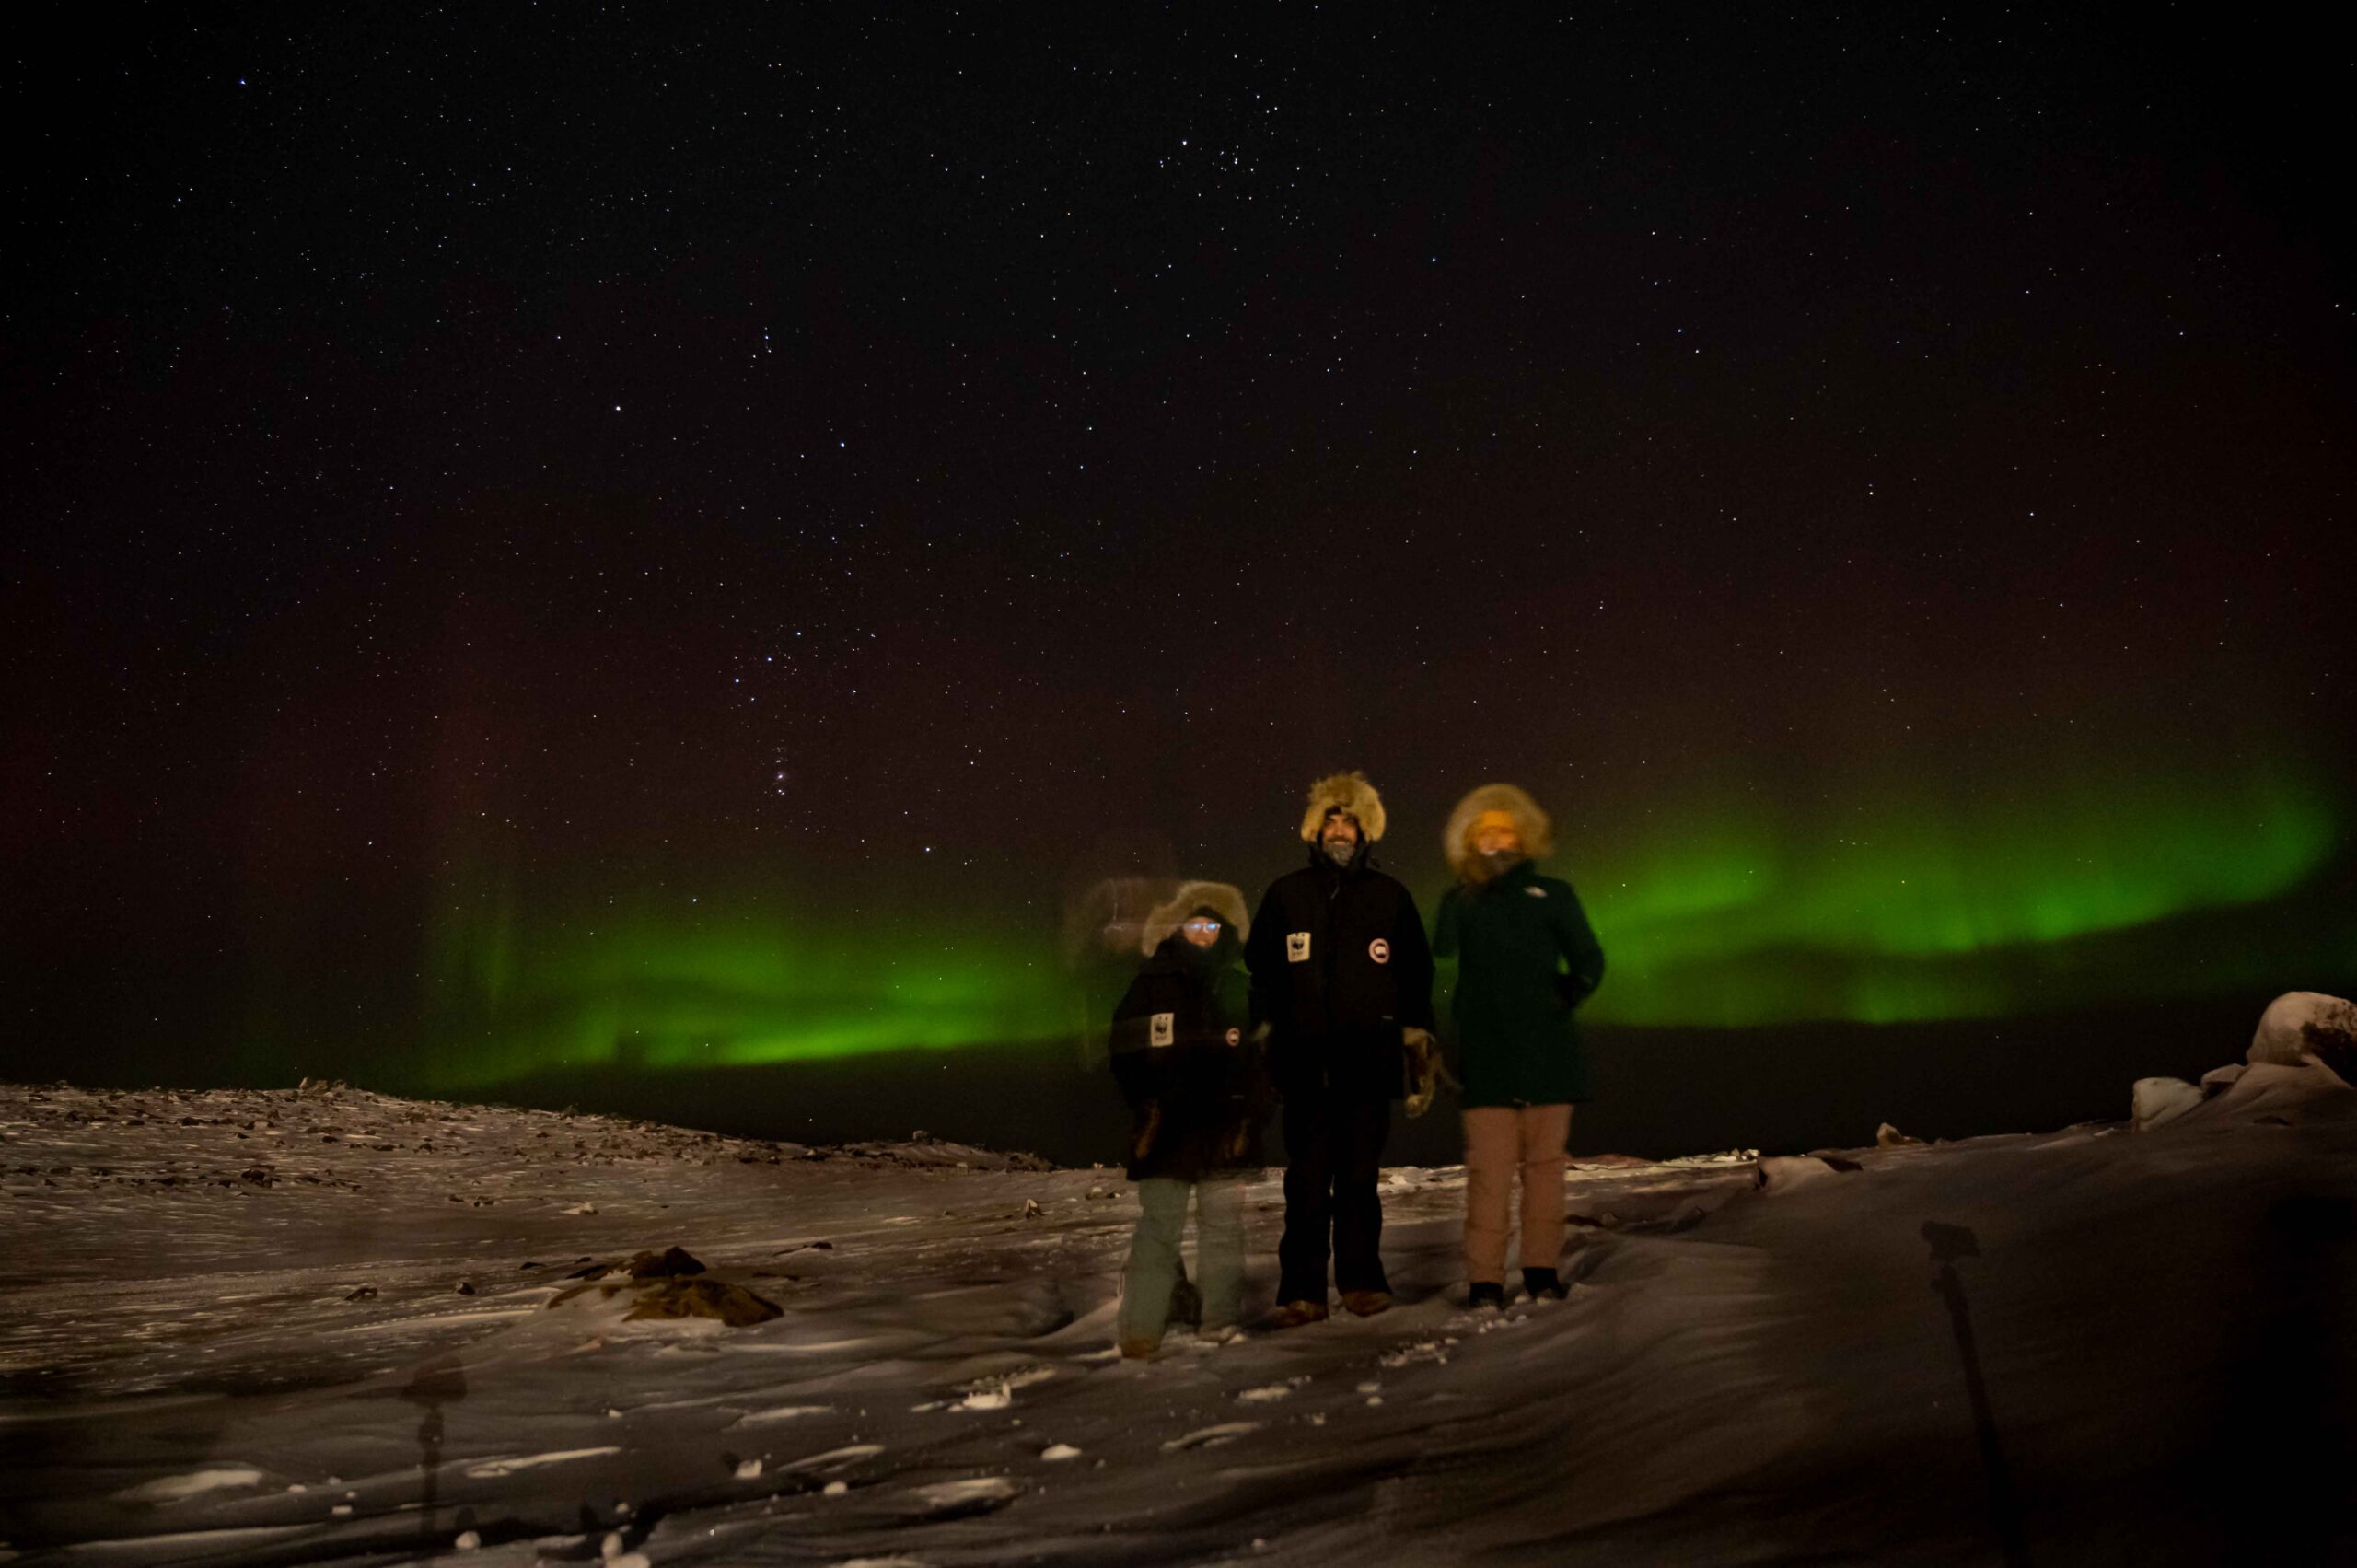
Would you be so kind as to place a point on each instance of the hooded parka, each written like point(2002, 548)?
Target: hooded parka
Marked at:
point(1527, 958)
point(1180, 1053)
point(1339, 964)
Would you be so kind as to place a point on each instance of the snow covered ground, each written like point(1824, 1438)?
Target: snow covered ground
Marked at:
point(324, 1325)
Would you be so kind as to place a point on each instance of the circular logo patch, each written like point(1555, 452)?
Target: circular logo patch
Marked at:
point(1235, 1036)
point(1379, 950)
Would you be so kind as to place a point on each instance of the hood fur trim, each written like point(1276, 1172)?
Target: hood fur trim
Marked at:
point(1538, 833)
point(1350, 794)
point(1190, 897)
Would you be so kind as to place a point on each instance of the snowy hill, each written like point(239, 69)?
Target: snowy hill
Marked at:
point(333, 1326)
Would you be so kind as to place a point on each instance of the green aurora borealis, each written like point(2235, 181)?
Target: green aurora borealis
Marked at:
point(661, 560)
point(1993, 906)
point(737, 987)
point(1716, 912)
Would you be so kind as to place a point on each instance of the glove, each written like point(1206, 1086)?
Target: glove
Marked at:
point(1148, 1125)
point(1424, 1069)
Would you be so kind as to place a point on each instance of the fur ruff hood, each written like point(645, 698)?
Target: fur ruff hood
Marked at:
point(1456, 840)
point(1349, 794)
point(1167, 917)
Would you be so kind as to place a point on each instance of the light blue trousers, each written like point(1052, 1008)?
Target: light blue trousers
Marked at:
point(1153, 1268)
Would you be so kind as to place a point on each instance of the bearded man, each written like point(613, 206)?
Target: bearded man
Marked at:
point(1343, 981)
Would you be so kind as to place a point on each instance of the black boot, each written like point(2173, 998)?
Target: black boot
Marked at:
point(1477, 1296)
point(1186, 1303)
point(1543, 1285)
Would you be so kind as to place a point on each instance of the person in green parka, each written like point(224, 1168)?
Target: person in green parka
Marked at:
point(1526, 959)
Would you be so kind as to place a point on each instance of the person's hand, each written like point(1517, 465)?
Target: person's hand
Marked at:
point(1424, 1069)
point(1233, 1148)
point(1148, 1125)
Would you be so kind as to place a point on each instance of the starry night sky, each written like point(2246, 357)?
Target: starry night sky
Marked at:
point(537, 534)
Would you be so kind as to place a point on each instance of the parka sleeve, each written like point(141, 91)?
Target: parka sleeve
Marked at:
point(1412, 960)
point(1264, 957)
point(1581, 950)
point(1248, 1083)
point(1132, 1033)
point(1444, 925)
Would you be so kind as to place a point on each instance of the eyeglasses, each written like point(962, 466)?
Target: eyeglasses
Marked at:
point(1201, 923)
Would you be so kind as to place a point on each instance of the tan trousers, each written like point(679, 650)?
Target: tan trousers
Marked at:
point(1497, 1139)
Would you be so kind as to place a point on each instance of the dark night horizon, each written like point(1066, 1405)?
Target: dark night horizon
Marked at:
point(543, 541)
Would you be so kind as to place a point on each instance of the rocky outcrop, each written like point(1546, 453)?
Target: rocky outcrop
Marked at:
point(669, 1284)
point(2308, 1026)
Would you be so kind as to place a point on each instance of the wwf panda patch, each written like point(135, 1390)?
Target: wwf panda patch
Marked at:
point(1166, 1028)
point(1379, 950)
point(1296, 946)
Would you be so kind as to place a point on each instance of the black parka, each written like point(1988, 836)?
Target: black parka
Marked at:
point(1340, 966)
point(1184, 1063)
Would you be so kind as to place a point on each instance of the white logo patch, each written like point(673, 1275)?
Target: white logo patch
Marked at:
point(1536, 892)
point(1235, 1036)
point(1379, 950)
point(1296, 946)
point(1166, 1027)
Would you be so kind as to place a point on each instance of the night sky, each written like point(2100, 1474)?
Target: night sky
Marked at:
point(679, 536)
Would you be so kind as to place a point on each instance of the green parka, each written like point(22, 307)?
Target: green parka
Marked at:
point(1525, 959)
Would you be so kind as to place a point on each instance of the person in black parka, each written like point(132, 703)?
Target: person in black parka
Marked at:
point(1198, 1099)
point(1342, 983)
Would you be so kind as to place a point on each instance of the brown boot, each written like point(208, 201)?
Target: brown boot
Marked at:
point(1366, 1303)
point(1139, 1350)
point(1293, 1314)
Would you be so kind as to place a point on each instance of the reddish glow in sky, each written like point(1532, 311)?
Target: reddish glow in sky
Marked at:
point(495, 482)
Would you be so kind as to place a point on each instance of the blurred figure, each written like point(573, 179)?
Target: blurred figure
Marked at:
point(1103, 919)
point(1525, 959)
point(1343, 979)
point(1198, 1100)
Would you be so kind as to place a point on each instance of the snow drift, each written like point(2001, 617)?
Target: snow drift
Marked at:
point(317, 1327)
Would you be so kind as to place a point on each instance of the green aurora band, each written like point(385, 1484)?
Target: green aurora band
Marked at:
point(734, 990)
point(1715, 912)
point(1988, 906)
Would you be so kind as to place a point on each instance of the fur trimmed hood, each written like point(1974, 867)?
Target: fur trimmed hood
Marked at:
point(1455, 840)
point(1167, 917)
point(1349, 794)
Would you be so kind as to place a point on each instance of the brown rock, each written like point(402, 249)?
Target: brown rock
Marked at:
point(670, 1263)
point(733, 1305)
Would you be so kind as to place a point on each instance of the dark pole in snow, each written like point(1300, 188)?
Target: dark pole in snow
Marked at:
point(1949, 1243)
